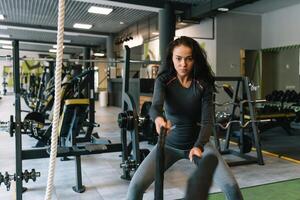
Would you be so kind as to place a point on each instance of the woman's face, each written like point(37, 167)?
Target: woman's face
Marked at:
point(183, 60)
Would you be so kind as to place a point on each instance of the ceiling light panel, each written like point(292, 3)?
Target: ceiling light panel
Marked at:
point(4, 36)
point(99, 54)
point(82, 26)
point(7, 47)
point(100, 10)
point(52, 50)
point(55, 46)
point(2, 17)
point(223, 9)
point(5, 42)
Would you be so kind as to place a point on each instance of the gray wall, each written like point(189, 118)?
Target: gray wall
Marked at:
point(269, 72)
point(280, 70)
point(235, 32)
point(281, 27)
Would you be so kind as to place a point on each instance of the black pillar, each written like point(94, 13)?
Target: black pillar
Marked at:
point(167, 26)
point(110, 48)
point(51, 69)
point(18, 136)
point(87, 56)
point(90, 90)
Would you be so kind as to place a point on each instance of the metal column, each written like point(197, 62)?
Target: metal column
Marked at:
point(167, 26)
point(109, 48)
point(90, 91)
point(18, 136)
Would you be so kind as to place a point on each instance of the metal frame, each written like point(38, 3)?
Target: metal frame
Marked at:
point(18, 136)
point(26, 154)
point(244, 83)
point(42, 153)
point(129, 104)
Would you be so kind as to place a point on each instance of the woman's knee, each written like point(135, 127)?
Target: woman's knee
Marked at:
point(135, 191)
point(233, 192)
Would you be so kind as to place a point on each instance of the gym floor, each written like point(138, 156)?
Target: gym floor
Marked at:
point(101, 173)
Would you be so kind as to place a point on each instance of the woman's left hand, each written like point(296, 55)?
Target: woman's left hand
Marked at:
point(195, 151)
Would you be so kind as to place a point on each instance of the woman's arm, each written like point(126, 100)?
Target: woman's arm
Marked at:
point(207, 113)
point(156, 110)
point(158, 99)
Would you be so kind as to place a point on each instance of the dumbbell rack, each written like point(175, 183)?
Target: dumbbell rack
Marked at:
point(283, 113)
point(241, 98)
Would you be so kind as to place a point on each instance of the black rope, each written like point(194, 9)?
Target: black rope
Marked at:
point(160, 160)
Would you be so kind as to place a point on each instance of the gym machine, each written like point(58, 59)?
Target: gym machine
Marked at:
point(130, 121)
point(70, 143)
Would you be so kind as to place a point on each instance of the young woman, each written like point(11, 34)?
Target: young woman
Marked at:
point(183, 100)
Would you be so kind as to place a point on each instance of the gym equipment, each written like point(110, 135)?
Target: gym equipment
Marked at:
point(76, 138)
point(281, 107)
point(70, 144)
point(130, 121)
point(4, 83)
point(283, 96)
point(246, 145)
point(240, 99)
point(26, 176)
point(145, 125)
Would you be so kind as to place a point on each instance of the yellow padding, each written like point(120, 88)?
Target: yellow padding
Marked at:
point(227, 85)
point(61, 122)
point(77, 101)
point(270, 116)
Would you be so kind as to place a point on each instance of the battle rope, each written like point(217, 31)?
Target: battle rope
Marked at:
point(160, 161)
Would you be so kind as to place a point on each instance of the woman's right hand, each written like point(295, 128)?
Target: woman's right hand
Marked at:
point(161, 122)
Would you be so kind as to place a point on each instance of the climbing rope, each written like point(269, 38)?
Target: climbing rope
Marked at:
point(57, 100)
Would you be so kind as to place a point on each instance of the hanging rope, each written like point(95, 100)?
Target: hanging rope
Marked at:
point(55, 123)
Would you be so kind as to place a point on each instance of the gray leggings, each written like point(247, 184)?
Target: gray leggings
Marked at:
point(145, 174)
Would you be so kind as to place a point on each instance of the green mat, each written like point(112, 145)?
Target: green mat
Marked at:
point(285, 190)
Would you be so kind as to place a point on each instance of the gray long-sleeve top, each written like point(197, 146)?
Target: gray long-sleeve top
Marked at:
point(186, 108)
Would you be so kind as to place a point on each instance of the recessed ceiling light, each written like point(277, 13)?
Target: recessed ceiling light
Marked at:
point(52, 50)
point(99, 54)
point(71, 33)
point(100, 10)
point(55, 46)
point(223, 9)
point(155, 33)
point(121, 22)
point(7, 47)
point(67, 41)
point(4, 36)
point(82, 26)
point(5, 42)
point(2, 17)
point(182, 23)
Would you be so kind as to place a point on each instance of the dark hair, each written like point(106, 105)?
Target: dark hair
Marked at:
point(201, 68)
